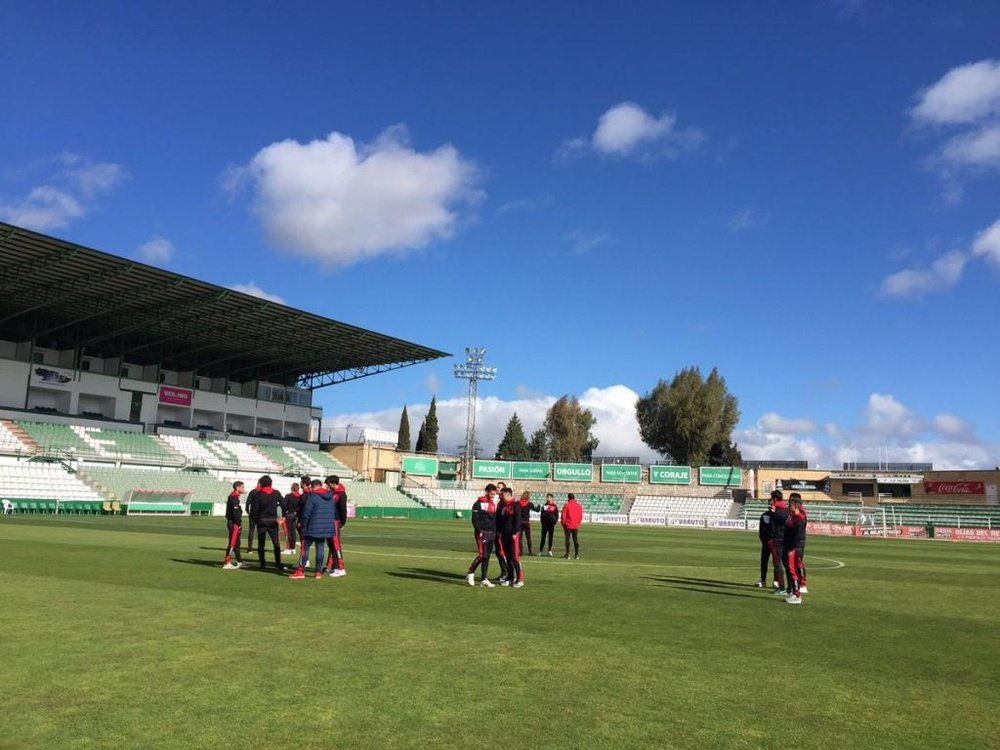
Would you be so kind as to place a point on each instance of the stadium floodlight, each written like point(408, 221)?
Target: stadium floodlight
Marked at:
point(473, 369)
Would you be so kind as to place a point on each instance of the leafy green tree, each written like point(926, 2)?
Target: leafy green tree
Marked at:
point(686, 418)
point(430, 428)
point(538, 446)
point(567, 427)
point(403, 441)
point(514, 446)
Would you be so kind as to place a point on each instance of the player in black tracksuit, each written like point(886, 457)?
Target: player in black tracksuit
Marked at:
point(550, 517)
point(509, 533)
point(779, 514)
point(251, 516)
point(234, 522)
point(764, 533)
point(484, 523)
point(265, 515)
point(526, 506)
point(290, 512)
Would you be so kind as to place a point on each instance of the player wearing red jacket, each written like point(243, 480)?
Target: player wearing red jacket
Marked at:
point(571, 518)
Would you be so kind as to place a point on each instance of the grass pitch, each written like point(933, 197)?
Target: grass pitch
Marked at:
point(126, 632)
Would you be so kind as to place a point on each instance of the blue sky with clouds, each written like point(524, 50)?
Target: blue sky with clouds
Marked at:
point(804, 195)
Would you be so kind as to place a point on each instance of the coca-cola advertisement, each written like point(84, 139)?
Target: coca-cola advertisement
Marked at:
point(955, 488)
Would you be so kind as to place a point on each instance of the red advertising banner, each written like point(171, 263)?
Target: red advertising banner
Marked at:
point(824, 528)
point(966, 535)
point(176, 396)
point(955, 488)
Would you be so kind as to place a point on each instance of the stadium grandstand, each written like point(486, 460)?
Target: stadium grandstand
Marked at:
point(119, 378)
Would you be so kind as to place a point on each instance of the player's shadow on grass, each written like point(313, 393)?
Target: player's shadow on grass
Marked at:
point(426, 574)
point(252, 567)
point(703, 585)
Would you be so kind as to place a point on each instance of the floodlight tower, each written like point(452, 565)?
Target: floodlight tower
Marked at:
point(473, 370)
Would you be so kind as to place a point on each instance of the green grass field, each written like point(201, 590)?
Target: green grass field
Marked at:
point(125, 632)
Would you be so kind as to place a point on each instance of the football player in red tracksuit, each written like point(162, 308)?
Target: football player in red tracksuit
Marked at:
point(509, 533)
point(571, 518)
point(484, 523)
point(489, 493)
point(526, 506)
point(264, 512)
point(336, 561)
point(795, 542)
point(234, 522)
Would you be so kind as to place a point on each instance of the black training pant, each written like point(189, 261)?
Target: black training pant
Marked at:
point(546, 530)
point(576, 542)
point(765, 555)
point(270, 529)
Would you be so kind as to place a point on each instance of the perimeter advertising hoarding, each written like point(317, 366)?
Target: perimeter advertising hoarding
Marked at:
point(955, 488)
point(720, 476)
point(625, 473)
point(491, 469)
point(530, 470)
point(573, 472)
point(670, 475)
point(421, 467)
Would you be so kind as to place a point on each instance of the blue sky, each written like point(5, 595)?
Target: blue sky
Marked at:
point(804, 195)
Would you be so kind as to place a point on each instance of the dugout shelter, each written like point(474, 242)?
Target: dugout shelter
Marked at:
point(91, 335)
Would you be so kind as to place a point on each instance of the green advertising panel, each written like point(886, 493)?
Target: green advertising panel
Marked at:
point(621, 473)
point(491, 469)
point(724, 476)
point(670, 475)
point(530, 470)
point(422, 467)
point(573, 472)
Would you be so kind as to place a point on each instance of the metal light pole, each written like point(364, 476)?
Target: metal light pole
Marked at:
point(473, 370)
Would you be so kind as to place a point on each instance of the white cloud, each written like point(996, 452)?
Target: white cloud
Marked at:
point(987, 244)
point(890, 431)
point(747, 218)
point(942, 274)
point(255, 291)
point(68, 192)
point(433, 383)
point(627, 130)
point(772, 422)
point(887, 417)
point(966, 98)
point(340, 202)
point(157, 251)
point(44, 208)
point(583, 241)
point(966, 94)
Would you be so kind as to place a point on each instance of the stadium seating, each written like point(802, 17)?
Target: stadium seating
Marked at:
point(95, 443)
point(299, 461)
point(817, 511)
point(676, 507)
point(11, 443)
point(115, 483)
point(220, 454)
point(377, 494)
point(42, 487)
point(917, 514)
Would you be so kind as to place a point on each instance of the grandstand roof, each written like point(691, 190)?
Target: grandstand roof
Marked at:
point(62, 295)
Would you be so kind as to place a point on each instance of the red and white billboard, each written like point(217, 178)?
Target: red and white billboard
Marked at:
point(955, 488)
point(176, 396)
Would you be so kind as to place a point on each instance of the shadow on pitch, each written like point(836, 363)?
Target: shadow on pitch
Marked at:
point(425, 574)
point(704, 585)
point(250, 566)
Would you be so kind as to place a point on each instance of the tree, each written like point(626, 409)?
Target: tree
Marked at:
point(690, 418)
point(403, 441)
point(431, 428)
point(421, 446)
point(514, 446)
point(567, 428)
point(538, 447)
